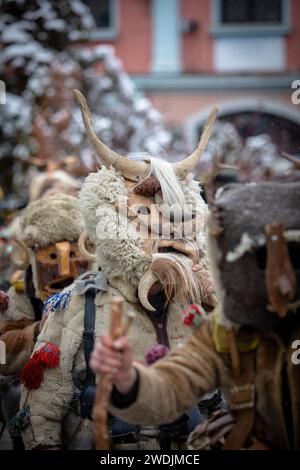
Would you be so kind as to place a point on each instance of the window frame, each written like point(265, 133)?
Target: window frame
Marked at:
point(219, 29)
point(111, 32)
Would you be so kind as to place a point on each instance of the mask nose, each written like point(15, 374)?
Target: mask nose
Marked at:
point(280, 274)
point(63, 251)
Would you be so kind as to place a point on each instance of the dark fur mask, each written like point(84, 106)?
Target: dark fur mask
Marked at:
point(248, 209)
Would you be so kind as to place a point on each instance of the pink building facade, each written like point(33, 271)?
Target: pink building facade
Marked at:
point(187, 55)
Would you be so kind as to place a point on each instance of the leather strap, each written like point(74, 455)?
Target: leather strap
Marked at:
point(242, 399)
point(88, 332)
point(89, 283)
point(241, 431)
point(159, 319)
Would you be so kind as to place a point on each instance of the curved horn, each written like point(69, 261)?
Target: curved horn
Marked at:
point(291, 159)
point(83, 251)
point(186, 166)
point(145, 284)
point(20, 257)
point(130, 169)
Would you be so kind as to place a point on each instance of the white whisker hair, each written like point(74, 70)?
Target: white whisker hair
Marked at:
point(170, 187)
point(188, 288)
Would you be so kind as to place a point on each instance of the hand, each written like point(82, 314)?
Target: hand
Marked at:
point(3, 301)
point(115, 358)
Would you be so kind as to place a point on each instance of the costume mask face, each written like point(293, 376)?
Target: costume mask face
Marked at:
point(257, 255)
point(160, 229)
point(146, 242)
point(56, 267)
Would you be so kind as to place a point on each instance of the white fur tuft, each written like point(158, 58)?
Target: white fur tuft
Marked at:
point(170, 187)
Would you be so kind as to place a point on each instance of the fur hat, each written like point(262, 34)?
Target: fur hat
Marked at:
point(51, 220)
point(50, 183)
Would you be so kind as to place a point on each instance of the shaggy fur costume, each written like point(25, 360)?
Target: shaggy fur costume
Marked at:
point(119, 253)
point(43, 222)
point(64, 329)
point(177, 382)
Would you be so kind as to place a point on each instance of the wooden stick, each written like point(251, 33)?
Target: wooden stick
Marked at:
point(104, 387)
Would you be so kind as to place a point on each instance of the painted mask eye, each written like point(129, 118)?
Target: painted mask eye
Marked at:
point(72, 254)
point(53, 256)
point(143, 210)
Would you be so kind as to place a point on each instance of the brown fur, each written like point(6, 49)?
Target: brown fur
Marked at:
point(14, 325)
point(178, 381)
point(148, 187)
point(19, 339)
point(19, 343)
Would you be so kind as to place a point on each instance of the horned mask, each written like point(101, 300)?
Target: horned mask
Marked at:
point(146, 220)
point(48, 245)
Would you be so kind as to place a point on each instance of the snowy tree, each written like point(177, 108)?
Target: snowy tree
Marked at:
point(257, 157)
point(44, 55)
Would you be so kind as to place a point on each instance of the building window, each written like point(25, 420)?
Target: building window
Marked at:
point(248, 17)
point(105, 17)
point(251, 11)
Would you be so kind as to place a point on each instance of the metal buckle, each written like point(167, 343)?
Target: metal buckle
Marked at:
point(242, 396)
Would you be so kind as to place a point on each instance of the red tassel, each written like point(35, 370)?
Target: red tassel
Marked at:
point(32, 374)
point(49, 355)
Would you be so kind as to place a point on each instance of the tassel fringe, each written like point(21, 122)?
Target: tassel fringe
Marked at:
point(32, 374)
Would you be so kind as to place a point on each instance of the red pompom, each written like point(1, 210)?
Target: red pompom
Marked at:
point(32, 374)
point(49, 355)
point(193, 315)
point(188, 320)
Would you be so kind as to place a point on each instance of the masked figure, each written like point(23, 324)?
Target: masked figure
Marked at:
point(47, 250)
point(146, 222)
point(249, 346)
